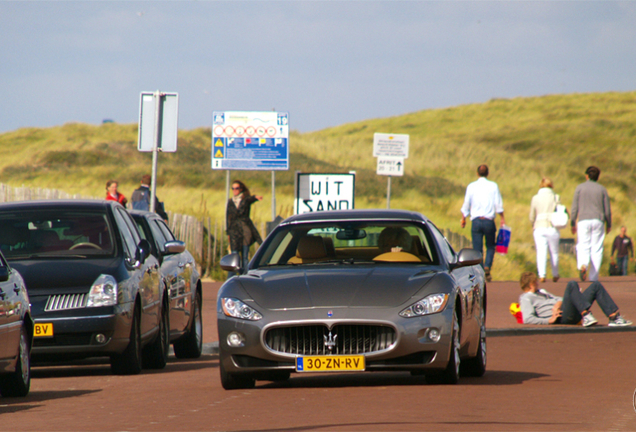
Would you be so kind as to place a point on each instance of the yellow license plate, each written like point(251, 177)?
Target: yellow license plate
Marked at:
point(43, 330)
point(329, 363)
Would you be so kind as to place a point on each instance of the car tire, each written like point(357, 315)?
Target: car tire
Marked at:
point(155, 354)
point(476, 366)
point(191, 345)
point(235, 381)
point(450, 375)
point(129, 362)
point(18, 383)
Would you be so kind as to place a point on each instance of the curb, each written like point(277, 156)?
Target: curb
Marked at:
point(556, 330)
point(210, 348)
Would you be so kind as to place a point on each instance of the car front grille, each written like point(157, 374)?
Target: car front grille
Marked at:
point(342, 339)
point(65, 302)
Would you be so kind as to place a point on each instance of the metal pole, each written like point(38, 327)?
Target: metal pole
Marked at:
point(155, 150)
point(227, 196)
point(388, 193)
point(273, 195)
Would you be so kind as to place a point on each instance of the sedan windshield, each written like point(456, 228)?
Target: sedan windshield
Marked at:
point(36, 233)
point(350, 242)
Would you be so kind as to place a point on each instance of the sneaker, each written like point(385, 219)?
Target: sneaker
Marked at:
point(619, 321)
point(589, 320)
point(555, 279)
point(583, 273)
point(487, 274)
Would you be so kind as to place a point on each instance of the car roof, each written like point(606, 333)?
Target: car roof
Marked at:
point(143, 213)
point(355, 215)
point(84, 204)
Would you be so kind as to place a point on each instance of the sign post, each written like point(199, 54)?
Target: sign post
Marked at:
point(391, 150)
point(158, 129)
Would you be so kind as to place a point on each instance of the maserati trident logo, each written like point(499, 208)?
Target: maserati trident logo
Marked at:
point(330, 341)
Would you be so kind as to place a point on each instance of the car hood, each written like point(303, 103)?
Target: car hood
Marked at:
point(55, 276)
point(375, 287)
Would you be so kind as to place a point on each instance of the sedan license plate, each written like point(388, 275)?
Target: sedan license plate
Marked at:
point(329, 363)
point(43, 330)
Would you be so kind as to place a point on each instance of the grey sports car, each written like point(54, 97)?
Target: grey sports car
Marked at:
point(355, 290)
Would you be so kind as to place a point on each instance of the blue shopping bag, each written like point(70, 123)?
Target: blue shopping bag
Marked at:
point(503, 240)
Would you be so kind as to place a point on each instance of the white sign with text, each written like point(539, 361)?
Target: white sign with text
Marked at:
point(323, 192)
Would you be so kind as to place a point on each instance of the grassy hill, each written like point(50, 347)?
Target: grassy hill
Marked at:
point(520, 139)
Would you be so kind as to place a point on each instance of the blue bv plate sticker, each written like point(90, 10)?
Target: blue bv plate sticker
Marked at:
point(299, 363)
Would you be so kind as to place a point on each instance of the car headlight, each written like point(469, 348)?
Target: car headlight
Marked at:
point(103, 292)
point(428, 305)
point(237, 309)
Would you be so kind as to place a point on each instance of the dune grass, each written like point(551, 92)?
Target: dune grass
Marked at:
point(520, 139)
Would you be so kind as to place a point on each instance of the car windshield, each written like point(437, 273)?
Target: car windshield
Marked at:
point(349, 242)
point(39, 233)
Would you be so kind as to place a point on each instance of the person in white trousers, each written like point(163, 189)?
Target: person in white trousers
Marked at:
point(546, 237)
point(591, 207)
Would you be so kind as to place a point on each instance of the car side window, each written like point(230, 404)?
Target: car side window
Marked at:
point(166, 231)
point(157, 233)
point(446, 248)
point(130, 245)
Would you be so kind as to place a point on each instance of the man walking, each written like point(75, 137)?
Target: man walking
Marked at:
point(141, 198)
point(624, 248)
point(591, 207)
point(482, 203)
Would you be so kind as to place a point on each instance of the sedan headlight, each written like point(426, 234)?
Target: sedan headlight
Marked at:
point(103, 292)
point(428, 305)
point(237, 309)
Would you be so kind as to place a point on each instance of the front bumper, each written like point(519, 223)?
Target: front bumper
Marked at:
point(412, 350)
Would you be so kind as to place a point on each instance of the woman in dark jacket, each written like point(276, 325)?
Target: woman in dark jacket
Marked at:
point(240, 229)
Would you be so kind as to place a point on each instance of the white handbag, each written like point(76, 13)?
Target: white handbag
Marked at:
point(560, 217)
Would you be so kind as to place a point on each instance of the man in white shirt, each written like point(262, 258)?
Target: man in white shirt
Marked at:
point(482, 203)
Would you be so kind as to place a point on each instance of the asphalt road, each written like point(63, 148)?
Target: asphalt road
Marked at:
point(582, 380)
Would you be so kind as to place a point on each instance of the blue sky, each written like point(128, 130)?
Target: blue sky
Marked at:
point(325, 62)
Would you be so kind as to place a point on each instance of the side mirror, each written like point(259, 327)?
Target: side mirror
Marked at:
point(4, 274)
point(467, 257)
point(174, 247)
point(142, 252)
point(231, 262)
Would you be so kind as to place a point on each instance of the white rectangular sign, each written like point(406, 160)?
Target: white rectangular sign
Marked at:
point(169, 113)
point(250, 140)
point(390, 145)
point(323, 192)
point(390, 166)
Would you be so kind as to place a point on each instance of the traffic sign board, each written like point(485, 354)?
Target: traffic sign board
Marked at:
point(390, 145)
point(169, 112)
point(390, 166)
point(250, 140)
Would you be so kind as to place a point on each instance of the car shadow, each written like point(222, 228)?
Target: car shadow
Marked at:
point(494, 378)
point(35, 399)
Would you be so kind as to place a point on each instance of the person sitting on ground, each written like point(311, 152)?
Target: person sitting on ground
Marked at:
point(540, 307)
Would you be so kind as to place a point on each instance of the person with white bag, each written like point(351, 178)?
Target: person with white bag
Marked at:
point(546, 224)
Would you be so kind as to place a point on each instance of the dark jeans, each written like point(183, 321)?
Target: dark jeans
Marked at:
point(575, 301)
point(621, 262)
point(484, 228)
point(244, 254)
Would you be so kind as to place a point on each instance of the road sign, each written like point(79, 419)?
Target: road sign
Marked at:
point(250, 140)
point(322, 192)
point(390, 166)
point(168, 120)
point(396, 145)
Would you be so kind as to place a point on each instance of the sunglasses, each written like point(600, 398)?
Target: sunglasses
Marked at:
point(236, 188)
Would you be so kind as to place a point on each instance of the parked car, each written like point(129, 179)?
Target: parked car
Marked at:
point(356, 290)
point(95, 289)
point(16, 333)
point(182, 280)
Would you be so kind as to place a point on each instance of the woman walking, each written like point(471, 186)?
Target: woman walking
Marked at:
point(113, 195)
point(546, 236)
point(240, 229)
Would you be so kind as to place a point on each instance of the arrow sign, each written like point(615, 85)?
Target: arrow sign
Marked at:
point(390, 166)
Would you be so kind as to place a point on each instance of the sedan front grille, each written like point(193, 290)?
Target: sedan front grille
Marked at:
point(342, 339)
point(65, 302)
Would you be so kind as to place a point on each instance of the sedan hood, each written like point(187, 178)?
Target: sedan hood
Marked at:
point(366, 286)
point(56, 276)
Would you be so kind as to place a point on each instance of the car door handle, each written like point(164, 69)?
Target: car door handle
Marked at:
point(471, 277)
point(16, 289)
point(2, 294)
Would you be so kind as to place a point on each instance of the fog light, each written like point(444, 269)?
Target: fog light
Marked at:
point(100, 338)
point(235, 339)
point(434, 335)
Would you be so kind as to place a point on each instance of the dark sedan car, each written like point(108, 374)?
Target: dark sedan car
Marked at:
point(357, 290)
point(16, 330)
point(95, 289)
point(178, 269)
